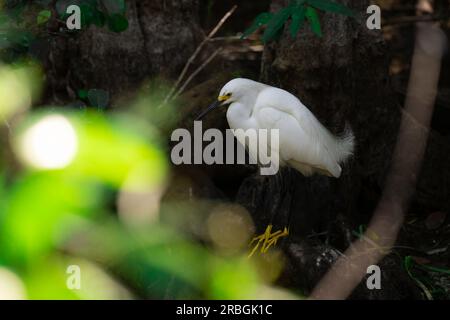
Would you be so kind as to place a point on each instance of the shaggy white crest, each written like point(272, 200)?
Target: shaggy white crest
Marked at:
point(305, 144)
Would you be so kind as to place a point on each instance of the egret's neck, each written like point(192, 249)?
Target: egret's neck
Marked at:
point(244, 106)
point(239, 114)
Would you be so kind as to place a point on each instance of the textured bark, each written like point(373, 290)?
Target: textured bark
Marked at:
point(342, 78)
point(160, 38)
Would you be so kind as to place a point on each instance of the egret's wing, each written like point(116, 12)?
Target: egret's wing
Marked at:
point(292, 137)
point(302, 137)
point(287, 103)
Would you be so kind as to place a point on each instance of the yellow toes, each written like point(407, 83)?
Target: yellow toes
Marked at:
point(267, 239)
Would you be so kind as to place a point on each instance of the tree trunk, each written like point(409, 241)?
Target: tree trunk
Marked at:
point(160, 38)
point(343, 79)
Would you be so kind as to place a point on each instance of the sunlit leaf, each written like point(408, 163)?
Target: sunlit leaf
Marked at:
point(233, 279)
point(111, 150)
point(19, 86)
point(37, 203)
point(47, 279)
point(43, 16)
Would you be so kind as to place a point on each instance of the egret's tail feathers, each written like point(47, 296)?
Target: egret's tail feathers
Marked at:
point(345, 145)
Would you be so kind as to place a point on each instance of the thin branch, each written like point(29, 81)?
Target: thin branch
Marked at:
point(196, 72)
point(229, 38)
point(197, 52)
point(221, 22)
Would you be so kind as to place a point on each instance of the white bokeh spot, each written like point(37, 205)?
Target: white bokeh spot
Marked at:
point(51, 143)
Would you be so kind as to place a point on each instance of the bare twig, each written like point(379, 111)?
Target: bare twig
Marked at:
point(197, 52)
point(229, 38)
point(196, 72)
point(222, 21)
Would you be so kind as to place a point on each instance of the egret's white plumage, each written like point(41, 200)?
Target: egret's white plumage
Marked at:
point(305, 144)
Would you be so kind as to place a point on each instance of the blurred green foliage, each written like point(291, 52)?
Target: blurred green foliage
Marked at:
point(75, 211)
point(48, 216)
point(72, 179)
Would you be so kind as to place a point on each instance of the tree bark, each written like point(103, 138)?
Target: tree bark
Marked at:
point(343, 79)
point(160, 38)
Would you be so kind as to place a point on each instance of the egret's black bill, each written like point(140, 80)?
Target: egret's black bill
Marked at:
point(209, 109)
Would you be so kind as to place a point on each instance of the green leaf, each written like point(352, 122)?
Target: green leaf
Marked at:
point(117, 23)
point(313, 18)
point(277, 22)
point(331, 6)
point(298, 20)
point(43, 16)
point(259, 21)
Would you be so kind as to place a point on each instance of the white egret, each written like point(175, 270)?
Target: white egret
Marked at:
point(304, 143)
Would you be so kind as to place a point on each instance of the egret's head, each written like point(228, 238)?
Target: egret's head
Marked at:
point(233, 91)
point(237, 89)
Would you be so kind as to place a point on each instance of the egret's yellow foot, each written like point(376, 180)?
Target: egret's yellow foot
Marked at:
point(267, 239)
